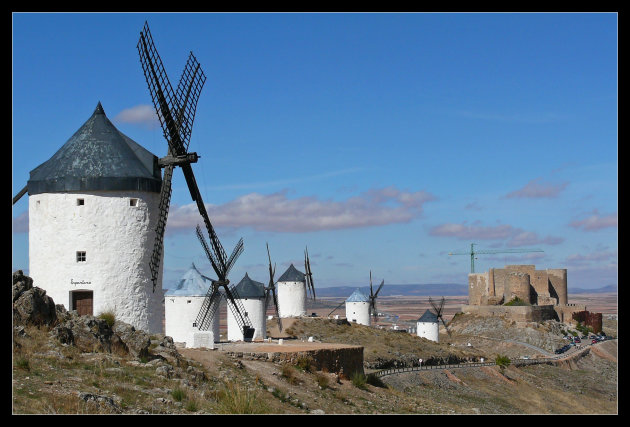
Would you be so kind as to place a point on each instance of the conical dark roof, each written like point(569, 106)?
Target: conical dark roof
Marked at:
point(248, 288)
point(428, 317)
point(97, 157)
point(292, 275)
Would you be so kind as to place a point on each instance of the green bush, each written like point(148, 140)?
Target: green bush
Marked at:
point(109, 317)
point(359, 380)
point(502, 362)
point(516, 301)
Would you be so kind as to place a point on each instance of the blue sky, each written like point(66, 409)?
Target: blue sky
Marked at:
point(382, 141)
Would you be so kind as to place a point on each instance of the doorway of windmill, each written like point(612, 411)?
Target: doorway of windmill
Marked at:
point(82, 302)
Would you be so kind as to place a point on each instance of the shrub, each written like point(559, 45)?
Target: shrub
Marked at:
point(516, 301)
point(502, 362)
point(109, 317)
point(305, 363)
point(359, 380)
point(191, 406)
point(322, 380)
point(288, 372)
point(22, 363)
point(178, 394)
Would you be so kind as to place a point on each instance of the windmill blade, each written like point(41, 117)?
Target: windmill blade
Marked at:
point(187, 95)
point(379, 288)
point(437, 311)
point(238, 250)
point(158, 244)
point(208, 308)
point(162, 94)
point(371, 292)
point(272, 288)
point(19, 195)
point(209, 254)
point(307, 266)
point(342, 303)
point(374, 312)
point(442, 304)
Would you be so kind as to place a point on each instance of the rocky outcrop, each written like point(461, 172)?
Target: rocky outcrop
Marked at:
point(31, 305)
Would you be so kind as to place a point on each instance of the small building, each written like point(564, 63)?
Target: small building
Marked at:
point(428, 326)
point(358, 308)
point(93, 210)
point(252, 297)
point(182, 305)
point(291, 288)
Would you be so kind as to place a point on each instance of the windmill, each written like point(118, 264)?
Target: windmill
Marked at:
point(373, 296)
point(272, 288)
point(438, 312)
point(308, 274)
point(176, 113)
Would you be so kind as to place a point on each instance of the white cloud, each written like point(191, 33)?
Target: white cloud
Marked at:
point(140, 115)
point(536, 189)
point(595, 222)
point(276, 212)
point(514, 236)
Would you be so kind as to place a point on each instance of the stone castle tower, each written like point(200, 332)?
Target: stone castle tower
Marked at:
point(93, 207)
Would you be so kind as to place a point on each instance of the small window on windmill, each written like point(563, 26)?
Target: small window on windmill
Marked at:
point(133, 202)
point(188, 302)
point(80, 256)
point(80, 202)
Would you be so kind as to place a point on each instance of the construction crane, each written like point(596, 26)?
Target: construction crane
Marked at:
point(473, 253)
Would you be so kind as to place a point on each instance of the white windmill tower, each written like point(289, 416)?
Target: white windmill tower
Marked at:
point(428, 325)
point(181, 305)
point(93, 209)
point(291, 288)
point(252, 296)
point(358, 308)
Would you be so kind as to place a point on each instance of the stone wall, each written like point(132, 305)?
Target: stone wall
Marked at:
point(518, 313)
point(344, 361)
point(565, 311)
point(477, 287)
point(558, 284)
point(517, 286)
point(594, 320)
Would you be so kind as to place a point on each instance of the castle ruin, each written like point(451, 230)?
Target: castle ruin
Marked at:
point(543, 294)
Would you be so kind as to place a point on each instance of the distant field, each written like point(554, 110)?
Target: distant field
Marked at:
point(409, 308)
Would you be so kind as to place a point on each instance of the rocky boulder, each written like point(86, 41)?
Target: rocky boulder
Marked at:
point(31, 305)
point(137, 342)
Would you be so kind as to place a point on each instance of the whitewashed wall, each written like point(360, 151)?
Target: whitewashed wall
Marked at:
point(291, 299)
point(181, 312)
point(359, 312)
point(255, 308)
point(428, 330)
point(118, 241)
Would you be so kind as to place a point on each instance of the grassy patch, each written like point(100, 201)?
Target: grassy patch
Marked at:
point(289, 374)
point(178, 394)
point(322, 380)
point(233, 399)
